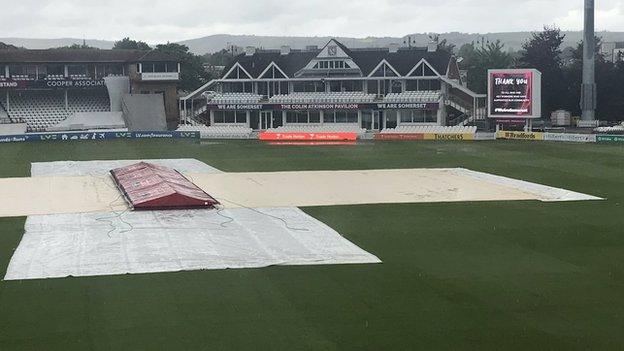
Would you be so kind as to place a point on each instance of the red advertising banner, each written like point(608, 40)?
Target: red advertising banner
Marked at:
point(271, 136)
point(312, 143)
point(399, 136)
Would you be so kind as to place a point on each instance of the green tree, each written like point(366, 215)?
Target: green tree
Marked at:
point(79, 47)
point(543, 52)
point(219, 58)
point(129, 44)
point(479, 59)
point(193, 74)
point(609, 84)
point(443, 45)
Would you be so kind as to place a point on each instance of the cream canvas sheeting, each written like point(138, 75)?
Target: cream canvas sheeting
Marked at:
point(97, 193)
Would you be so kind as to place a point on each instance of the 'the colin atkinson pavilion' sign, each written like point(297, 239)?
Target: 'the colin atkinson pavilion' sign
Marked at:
point(514, 93)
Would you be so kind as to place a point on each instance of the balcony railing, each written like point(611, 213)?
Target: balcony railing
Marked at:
point(160, 76)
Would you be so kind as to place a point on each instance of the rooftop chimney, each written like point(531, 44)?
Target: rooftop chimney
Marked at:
point(311, 47)
point(250, 51)
point(285, 50)
point(432, 47)
point(394, 48)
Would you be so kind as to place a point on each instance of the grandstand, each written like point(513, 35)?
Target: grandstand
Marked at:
point(413, 96)
point(45, 87)
point(317, 89)
point(236, 98)
point(414, 129)
point(328, 128)
point(42, 109)
point(323, 98)
point(4, 116)
point(219, 131)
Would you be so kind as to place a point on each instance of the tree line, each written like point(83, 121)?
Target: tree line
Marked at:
point(561, 68)
point(561, 72)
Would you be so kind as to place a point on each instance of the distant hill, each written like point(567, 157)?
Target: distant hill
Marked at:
point(55, 43)
point(512, 40)
point(213, 43)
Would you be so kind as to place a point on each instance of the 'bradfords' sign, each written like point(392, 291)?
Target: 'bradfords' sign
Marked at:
point(514, 93)
point(520, 135)
point(52, 84)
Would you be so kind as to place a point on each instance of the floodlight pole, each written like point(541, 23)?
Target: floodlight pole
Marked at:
point(588, 89)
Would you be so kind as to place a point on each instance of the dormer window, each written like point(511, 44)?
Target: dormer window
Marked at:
point(331, 64)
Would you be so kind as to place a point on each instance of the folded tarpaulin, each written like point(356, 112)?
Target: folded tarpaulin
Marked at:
point(147, 186)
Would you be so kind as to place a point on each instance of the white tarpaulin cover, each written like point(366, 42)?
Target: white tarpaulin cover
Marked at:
point(102, 168)
point(109, 243)
point(168, 241)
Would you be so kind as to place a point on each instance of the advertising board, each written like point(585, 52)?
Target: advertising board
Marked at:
point(270, 136)
point(514, 93)
point(520, 135)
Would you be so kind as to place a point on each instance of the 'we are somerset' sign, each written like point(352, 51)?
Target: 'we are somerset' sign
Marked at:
point(514, 93)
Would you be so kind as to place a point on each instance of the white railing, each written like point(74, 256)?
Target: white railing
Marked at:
point(165, 76)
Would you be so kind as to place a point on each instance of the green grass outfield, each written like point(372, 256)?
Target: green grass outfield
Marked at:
point(480, 276)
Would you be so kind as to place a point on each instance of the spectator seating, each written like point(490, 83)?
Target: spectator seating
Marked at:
point(21, 77)
point(319, 128)
point(413, 96)
point(43, 109)
point(78, 76)
point(618, 129)
point(323, 98)
point(54, 77)
point(219, 131)
point(235, 98)
point(4, 116)
point(415, 129)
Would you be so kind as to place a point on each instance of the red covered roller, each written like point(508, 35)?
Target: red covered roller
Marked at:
point(147, 186)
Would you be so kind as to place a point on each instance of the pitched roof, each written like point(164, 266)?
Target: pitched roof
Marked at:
point(291, 63)
point(82, 56)
point(367, 59)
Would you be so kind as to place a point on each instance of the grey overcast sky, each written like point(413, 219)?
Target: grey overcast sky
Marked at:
point(171, 20)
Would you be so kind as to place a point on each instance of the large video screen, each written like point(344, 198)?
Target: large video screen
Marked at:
point(511, 94)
